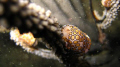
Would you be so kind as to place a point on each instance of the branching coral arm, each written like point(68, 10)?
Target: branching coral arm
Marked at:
point(29, 17)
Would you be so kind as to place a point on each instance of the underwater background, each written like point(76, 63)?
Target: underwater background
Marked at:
point(100, 55)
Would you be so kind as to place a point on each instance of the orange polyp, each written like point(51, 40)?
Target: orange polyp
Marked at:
point(76, 40)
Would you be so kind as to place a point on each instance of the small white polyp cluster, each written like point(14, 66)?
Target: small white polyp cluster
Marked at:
point(14, 35)
point(23, 2)
point(39, 9)
point(111, 14)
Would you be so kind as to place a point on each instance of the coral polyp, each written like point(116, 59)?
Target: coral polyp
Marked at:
point(76, 40)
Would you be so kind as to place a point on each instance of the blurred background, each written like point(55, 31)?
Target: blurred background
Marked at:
point(76, 12)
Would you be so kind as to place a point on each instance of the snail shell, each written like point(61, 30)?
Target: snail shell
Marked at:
point(76, 40)
point(106, 3)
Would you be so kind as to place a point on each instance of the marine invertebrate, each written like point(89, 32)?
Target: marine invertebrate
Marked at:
point(26, 40)
point(106, 3)
point(109, 14)
point(41, 24)
point(76, 40)
point(38, 22)
point(28, 43)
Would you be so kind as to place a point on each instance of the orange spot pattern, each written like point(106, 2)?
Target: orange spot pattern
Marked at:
point(76, 40)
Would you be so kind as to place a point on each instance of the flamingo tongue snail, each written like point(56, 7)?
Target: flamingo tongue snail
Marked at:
point(76, 40)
